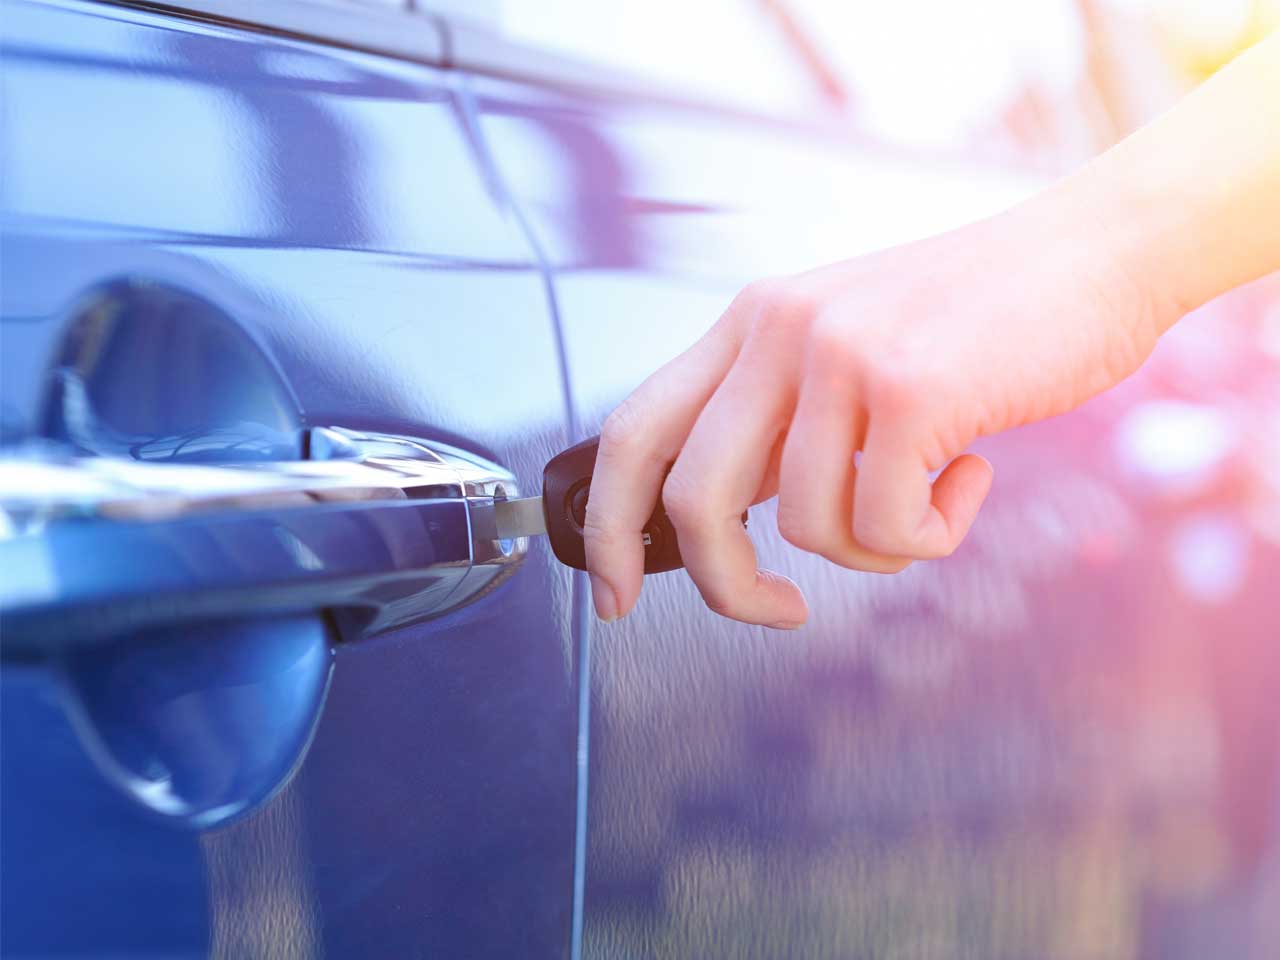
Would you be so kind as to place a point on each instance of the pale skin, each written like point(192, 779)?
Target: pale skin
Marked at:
point(907, 356)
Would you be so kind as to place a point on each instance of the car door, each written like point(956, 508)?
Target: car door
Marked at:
point(1062, 741)
point(272, 347)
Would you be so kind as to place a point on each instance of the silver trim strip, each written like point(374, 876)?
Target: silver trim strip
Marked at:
point(394, 493)
point(39, 487)
point(43, 484)
point(440, 40)
point(374, 28)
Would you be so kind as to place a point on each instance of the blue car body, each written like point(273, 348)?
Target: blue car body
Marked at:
point(259, 240)
point(366, 260)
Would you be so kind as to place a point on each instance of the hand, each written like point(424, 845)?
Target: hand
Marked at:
point(903, 358)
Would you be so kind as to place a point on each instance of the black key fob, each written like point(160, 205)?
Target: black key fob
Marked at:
point(566, 486)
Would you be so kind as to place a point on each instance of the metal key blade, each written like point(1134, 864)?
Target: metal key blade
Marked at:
point(519, 518)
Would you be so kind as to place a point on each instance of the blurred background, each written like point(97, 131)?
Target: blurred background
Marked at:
point(1040, 82)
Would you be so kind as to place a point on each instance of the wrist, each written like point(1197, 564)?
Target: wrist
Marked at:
point(1105, 238)
point(1133, 238)
point(1190, 203)
point(1148, 230)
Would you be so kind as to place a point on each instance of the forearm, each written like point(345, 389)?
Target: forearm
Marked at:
point(1190, 204)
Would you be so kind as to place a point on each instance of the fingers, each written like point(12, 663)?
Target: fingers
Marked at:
point(637, 445)
point(772, 473)
point(898, 510)
point(721, 469)
point(816, 504)
point(742, 414)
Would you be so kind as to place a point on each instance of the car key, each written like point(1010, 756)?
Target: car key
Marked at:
point(561, 511)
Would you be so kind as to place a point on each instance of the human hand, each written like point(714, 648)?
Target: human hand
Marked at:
point(904, 356)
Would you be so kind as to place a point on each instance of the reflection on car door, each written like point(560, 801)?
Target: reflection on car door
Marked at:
point(184, 204)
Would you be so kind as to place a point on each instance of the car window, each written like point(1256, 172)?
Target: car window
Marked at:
point(1051, 82)
point(918, 70)
point(745, 53)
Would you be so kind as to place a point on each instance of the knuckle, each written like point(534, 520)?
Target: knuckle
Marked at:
point(682, 500)
point(598, 529)
point(718, 606)
point(876, 538)
point(604, 555)
point(836, 356)
point(621, 429)
point(757, 293)
point(787, 308)
point(833, 345)
point(946, 549)
point(796, 527)
point(894, 384)
point(719, 602)
point(791, 313)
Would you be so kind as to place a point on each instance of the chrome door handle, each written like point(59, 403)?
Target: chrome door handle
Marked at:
point(380, 530)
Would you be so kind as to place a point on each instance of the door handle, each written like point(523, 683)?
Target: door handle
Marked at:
point(379, 530)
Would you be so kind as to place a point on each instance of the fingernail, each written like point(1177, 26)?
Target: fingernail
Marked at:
point(786, 625)
point(606, 602)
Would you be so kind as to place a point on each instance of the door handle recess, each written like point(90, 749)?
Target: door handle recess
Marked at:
point(380, 530)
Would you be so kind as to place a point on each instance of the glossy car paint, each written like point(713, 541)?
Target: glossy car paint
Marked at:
point(334, 207)
point(249, 692)
point(1060, 742)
